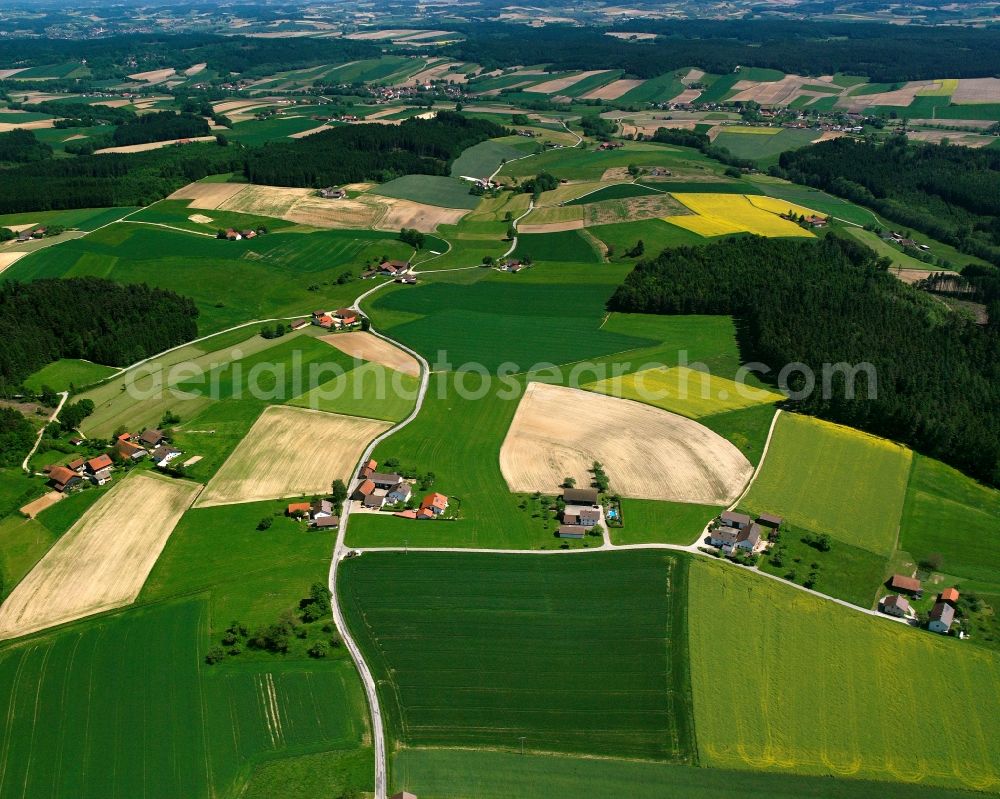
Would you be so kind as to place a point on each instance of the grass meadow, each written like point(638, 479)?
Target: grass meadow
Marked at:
point(832, 479)
point(764, 148)
point(647, 521)
point(470, 774)
point(60, 375)
point(280, 274)
point(580, 164)
point(829, 687)
point(481, 160)
point(578, 654)
point(430, 189)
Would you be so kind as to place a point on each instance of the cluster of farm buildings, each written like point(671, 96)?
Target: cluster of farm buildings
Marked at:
point(942, 615)
point(377, 489)
point(737, 531)
point(340, 319)
point(98, 470)
point(581, 514)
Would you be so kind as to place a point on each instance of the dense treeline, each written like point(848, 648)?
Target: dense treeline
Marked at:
point(16, 436)
point(21, 147)
point(113, 179)
point(75, 114)
point(882, 52)
point(938, 375)
point(950, 193)
point(369, 152)
point(160, 126)
point(86, 317)
point(115, 56)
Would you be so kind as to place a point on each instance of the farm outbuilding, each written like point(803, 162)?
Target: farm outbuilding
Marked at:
point(906, 585)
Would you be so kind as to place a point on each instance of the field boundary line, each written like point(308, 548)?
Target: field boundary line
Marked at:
point(168, 227)
point(760, 463)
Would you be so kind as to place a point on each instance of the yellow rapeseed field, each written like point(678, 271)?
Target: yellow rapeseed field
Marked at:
point(778, 206)
point(720, 214)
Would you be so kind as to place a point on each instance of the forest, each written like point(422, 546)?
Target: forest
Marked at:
point(950, 193)
point(160, 126)
point(16, 436)
point(112, 324)
point(938, 375)
point(21, 147)
point(112, 179)
point(884, 53)
point(354, 153)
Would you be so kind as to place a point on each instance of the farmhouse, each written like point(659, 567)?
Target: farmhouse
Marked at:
point(62, 478)
point(298, 509)
point(393, 268)
point(735, 520)
point(896, 605)
point(98, 464)
point(386, 481)
point(333, 193)
point(76, 465)
point(369, 496)
point(941, 617)
point(580, 496)
point(152, 438)
point(434, 503)
point(736, 531)
point(346, 316)
point(129, 451)
point(401, 492)
point(512, 265)
point(571, 531)
point(906, 585)
point(162, 455)
point(950, 595)
point(407, 280)
point(368, 469)
point(320, 509)
point(322, 319)
point(583, 516)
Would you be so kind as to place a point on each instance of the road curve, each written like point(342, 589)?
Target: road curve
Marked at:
point(340, 550)
point(63, 396)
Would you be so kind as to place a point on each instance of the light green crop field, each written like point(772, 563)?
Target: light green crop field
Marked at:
point(230, 281)
point(81, 218)
point(656, 235)
point(369, 390)
point(826, 688)
point(481, 160)
point(813, 198)
point(832, 479)
point(746, 429)
point(564, 245)
point(430, 189)
point(176, 213)
point(579, 164)
point(60, 375)
point(471, 774)
point(574, 653)
point(757, 148)
point(952, 515)
point(685, 391)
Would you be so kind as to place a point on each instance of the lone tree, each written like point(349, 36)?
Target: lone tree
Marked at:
point(338, 492)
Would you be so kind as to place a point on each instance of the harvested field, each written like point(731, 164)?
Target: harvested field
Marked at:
point(439, 72)
point(303, 133)
point(38, 124)
point(827, 135)
point(391, 33)
point(558, 432)
point(636, 36)
point(154, 75)
point(372, 348)
point(900, 97)
point(911, 276)
point(977, 90)
point(550, 214)
point(194, 70)
point(687, 96)
point(9, 73)
point(290, 452)
point(201, 219)
point(152, 145)
point(952, 137)
point(552, 227)
point(613, 90)
point(8, 259)
point(32, 509)
point(406, 213)
point(557, 85)
point(208, 196)
point(104, 559)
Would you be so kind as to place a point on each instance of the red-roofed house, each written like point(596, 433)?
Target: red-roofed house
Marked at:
point(369, 469)
point(298, 509)
point(950, 595)
point(62, 478)
point(435, 503)
point(99, 463)
point(346, 316)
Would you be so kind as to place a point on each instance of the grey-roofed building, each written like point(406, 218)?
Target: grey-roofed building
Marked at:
point(571, 531)
point(736, 520)
point(580, 496)
point(896, 605)
point(941, 618)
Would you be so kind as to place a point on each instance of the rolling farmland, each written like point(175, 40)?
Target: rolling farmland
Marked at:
point(483, 649)
point(832, 479)
point(831, 686)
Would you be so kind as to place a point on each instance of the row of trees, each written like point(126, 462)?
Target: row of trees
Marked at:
point(112, 324)
point(937, 375)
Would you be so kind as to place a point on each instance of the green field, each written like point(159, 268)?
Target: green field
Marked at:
point(648, 521)
point(470, 774)
point(832, 479)
point(176, 212)
point(565, 245)
point(746, 429)
point(952, 515)
point(572, 653)
point(655, 90)
point(60, 375)
point(575, 163)
point(280, 274)
point(826, 688)
point(655, 234)
point(616, 191)
point(369, 390)
point(813, 198)
point(481, 160)
point(430, 189)
point(255, 132)
point(80, 218)
point(764, 148)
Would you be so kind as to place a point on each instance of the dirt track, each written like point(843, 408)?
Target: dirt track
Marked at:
point(648, 453)
point(104, 559)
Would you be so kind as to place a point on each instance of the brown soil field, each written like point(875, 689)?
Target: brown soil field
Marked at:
point(912, 276)
point(290, 452)
point(195, 69)
point(827, 135)
point(557, 85)
point(153, 145)
point(636, 36)
point(425, 218)
point(372, 348)
point(303, 133)
point(9, 73)
point(613, 90)
point(8, 259)
point(779, 92)
point(901, 97)
point(103, 560)
point(38, 124)
point(114, 103)
point(391, 33)
point(977, 90)
point(632, 209)
point(32, 509)
point(953, 137)
point(207, 196)
point(687, 96)
point(201, 219)
point(552, 227)
point(647, 452)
